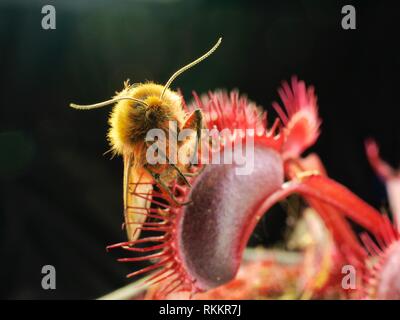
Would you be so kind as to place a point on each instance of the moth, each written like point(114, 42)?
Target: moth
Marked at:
point(137, 109)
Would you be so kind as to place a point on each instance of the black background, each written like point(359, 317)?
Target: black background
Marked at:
point(60, 200)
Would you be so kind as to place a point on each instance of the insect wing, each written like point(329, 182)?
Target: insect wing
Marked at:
point(138, 186)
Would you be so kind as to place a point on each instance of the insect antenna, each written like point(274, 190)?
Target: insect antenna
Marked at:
point(105, 103)
point(188, 66)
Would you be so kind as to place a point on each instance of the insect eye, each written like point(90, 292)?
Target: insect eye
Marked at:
point(151, 115)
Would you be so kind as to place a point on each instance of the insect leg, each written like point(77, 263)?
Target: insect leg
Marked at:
point(177, 169)
point(195, 174)
point(182, 175)
point(194, 122)
point(156, 177)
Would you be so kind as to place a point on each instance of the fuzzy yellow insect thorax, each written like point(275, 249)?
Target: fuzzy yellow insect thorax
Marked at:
point(131, 121)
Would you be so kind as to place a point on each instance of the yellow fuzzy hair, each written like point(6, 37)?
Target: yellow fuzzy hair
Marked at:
point(123, 127)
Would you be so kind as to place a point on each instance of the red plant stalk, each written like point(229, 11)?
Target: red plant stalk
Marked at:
point(204, 240)
point(382, 280)
point(389, 176)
